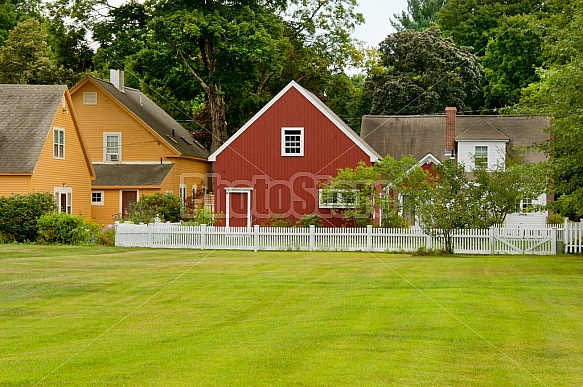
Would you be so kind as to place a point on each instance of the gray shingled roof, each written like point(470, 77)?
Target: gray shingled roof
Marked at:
point(156, 118)
point(26, 117)
point(130, 175)
point(420, 135)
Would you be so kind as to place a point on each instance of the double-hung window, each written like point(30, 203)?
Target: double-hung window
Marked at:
point(481, 156)
point(112, 146)
point(292, 141)
point(58, 143)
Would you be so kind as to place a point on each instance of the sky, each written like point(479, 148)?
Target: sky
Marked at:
point(377, 14)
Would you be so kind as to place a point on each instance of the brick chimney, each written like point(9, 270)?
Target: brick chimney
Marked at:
point(116, 77)
point(450, 113)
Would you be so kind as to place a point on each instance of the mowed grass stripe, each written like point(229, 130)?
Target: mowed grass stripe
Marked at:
point(286, 318)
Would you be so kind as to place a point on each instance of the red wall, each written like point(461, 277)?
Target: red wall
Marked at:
point(284, 184)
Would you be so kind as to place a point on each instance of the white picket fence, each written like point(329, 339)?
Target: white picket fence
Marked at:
point(488, 241)
point(573, 237)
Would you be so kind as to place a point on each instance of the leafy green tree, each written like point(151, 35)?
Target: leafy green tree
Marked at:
point(510, 61)
point(222, 60)
point(450, 203)
point(13, 12)
point(558, 95)
point(26, 57)
point(422, 73)
point(419, 16)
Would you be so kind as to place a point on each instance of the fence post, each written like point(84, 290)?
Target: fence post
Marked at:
point(553, 241)
point(255, 238)
point(492, 240)
point(368, 238)
point(202, 236)
point(312, 238)
point(566, 235)
point(427, 241)
point(150, 227)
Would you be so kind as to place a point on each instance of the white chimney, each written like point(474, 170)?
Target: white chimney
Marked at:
point(116, 78)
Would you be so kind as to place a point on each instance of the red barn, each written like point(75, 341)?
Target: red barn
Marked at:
point(275, 163)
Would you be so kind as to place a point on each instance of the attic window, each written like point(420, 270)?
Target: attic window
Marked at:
point(185, 140)
point(481, 156)
point(171, 139)
point(90, 98)
point(292, 141)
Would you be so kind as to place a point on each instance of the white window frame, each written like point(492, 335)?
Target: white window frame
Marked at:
point(90, 98)
point(182, 193)
point(101, 198)
point(285, 132)
point(482, 159)
point(58, 147)
point(68, 191)
point(106, 155)
point(338, 203)
point(525, 204)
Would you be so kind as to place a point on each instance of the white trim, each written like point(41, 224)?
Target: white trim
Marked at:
point(283, 144)
point(339, 203)
point(429, 158)
point(228, 192)
point(121, 198)
point(304, 92)
point(105, 160)
point(87, 101)
point(101, 202)
point(68, 191)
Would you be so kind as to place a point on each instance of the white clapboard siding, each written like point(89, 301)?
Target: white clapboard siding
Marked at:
point(494, 240)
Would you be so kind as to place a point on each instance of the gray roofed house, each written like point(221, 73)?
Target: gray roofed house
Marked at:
point(435, 138)
point(136, 147)
point(42, 148)
point(156, 118)
point(27, 113)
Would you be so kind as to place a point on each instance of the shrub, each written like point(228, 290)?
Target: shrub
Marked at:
point(278, 220)
point(19, 215)
point(105, 236)
point(308, 220)
point(165, 206)
point(202, 216)
point(556, 219)
point(64, 228)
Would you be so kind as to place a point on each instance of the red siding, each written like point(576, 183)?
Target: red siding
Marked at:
point(285, 184)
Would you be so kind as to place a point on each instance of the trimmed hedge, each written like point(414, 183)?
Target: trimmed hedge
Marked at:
point(19, 215)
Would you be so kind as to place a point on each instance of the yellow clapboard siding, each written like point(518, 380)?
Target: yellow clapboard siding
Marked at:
point(72, 171)
point(107, 212)
point(14, 184)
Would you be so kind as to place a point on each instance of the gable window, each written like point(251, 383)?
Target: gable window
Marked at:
point(292, 141)
point(58, 143)
point(97, 198)
point(90, 98)
point(337, 198)
point(481, 156)
point(112, 146)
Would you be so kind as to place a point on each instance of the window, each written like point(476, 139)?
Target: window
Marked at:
point(337, 198)
point(182, 194)
point(292, 141)
point(58, 143)
point(481, 156)
point(525, 205)
point(97, 198)
point(64, 199)
point(90, 98)
point(112, 146)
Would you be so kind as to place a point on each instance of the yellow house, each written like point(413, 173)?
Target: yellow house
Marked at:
point(42, 148)
point(136, 148)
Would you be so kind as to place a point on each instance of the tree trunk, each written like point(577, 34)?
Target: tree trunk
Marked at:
point(218, 117)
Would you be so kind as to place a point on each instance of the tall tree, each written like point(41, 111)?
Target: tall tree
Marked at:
point(13, 12)
point(422, 73)
point(234, 52)
point(26, 57)
point(419, 16)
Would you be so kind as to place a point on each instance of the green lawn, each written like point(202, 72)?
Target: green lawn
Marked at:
point(140, 317)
